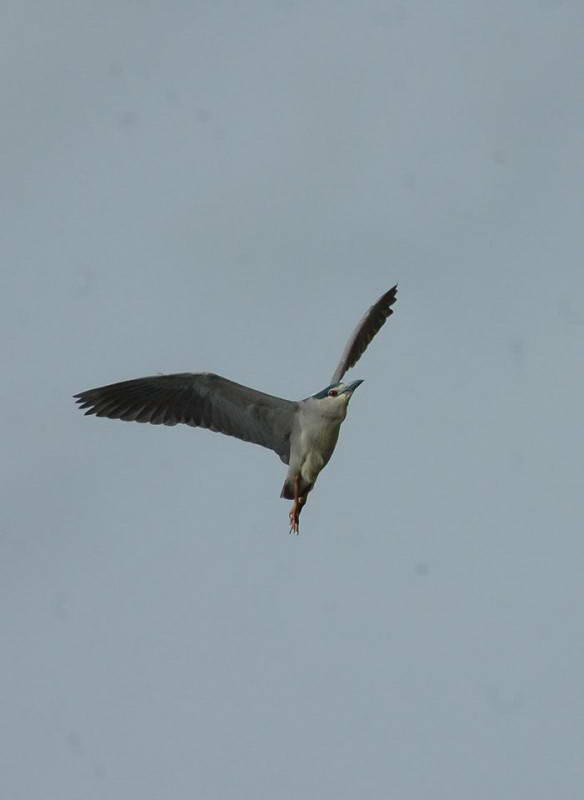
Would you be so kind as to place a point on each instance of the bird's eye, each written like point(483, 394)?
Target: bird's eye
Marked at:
point(333, 393)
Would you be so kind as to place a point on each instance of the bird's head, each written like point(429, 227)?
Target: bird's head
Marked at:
point(339, 393)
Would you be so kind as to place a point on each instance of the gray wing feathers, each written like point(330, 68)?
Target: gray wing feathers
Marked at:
point(368, 326)
point(202, 400)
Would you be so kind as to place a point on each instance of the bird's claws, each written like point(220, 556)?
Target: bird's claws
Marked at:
point(294, 521)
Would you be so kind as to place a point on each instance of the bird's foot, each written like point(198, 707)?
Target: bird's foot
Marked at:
point(294, 519)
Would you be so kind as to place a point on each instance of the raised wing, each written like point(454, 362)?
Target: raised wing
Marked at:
point(200, 399)
point(368, 326)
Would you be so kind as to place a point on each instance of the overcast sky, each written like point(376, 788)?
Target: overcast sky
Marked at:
point(227, 186)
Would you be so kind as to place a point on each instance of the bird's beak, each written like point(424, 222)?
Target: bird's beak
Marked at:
point(350, 388)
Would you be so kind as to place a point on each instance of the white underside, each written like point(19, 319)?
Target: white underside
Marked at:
point(315, 437)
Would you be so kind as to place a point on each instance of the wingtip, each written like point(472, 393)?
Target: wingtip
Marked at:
point(390, 292)
point(390, 296)
point(82, 402)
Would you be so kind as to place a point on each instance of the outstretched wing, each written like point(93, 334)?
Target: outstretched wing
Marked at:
point(200, 399)
point(368, 326)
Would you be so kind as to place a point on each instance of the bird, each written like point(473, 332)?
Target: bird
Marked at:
point(302, 433)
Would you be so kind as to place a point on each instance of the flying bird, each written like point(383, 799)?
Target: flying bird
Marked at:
point(303, 433)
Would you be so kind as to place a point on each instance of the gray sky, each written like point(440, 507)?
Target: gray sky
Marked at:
point(227, 186)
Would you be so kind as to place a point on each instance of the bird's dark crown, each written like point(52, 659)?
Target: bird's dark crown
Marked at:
point(340, 386)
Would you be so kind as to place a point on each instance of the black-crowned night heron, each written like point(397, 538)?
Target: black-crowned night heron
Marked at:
point(303, 433)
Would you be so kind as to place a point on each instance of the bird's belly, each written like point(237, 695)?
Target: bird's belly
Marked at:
point(310, 468)
point(316, 451)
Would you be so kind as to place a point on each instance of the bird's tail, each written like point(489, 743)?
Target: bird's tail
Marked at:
point(288, 488)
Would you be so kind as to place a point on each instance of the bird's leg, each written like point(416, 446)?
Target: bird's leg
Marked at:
point(296, 507)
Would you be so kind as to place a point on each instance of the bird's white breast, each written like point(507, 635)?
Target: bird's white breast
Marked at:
point(317, 435)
